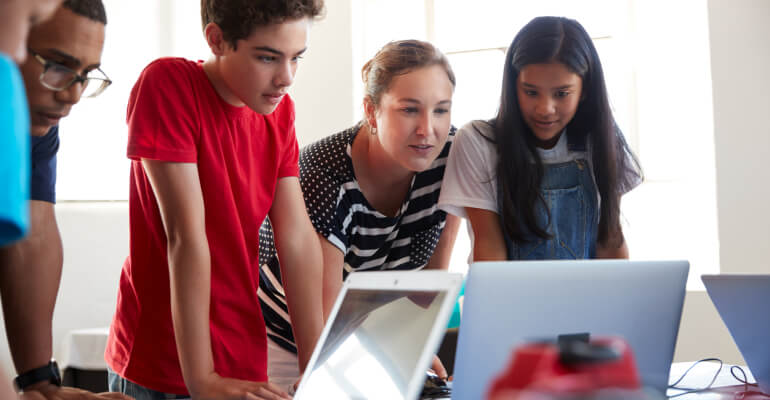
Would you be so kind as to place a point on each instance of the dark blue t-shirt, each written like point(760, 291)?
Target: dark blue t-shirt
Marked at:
point(43, 177)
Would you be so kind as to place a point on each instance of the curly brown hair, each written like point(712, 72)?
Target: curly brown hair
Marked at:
point(239, 18)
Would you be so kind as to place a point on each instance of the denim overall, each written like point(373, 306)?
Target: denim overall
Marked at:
point(571, 196)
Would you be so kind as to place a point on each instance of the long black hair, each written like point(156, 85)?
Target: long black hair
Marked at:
point(616, 169)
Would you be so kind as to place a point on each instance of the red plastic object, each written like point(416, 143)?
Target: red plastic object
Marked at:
point(540, 367)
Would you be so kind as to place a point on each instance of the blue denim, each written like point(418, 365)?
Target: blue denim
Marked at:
point(116, 383)
point(571, 218)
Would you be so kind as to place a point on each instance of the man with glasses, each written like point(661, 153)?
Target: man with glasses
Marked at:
point(16, 19)
point(62, 66)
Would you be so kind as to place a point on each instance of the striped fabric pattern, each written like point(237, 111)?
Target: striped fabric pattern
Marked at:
point(339, 211)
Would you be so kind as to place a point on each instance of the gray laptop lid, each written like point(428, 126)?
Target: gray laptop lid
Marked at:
point(508, 303)
point(381, 336)
point(743, 302)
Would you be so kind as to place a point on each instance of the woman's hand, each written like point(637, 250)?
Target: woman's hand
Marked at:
point(438, 368)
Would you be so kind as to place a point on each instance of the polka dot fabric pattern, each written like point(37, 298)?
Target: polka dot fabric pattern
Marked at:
point(338, 210)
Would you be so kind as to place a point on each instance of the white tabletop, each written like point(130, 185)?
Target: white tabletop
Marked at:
point(84, 349)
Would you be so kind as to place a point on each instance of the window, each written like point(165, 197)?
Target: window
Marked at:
point(655, 56)
point(657, 68)
point(92, 159)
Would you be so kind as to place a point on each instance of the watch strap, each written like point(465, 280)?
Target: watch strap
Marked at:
point(49, 372)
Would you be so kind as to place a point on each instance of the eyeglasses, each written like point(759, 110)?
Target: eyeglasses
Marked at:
point(57, 77)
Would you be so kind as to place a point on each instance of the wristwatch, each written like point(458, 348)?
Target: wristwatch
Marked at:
point(49, 372)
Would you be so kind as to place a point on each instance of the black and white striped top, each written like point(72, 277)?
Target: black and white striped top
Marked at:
point(338, 210)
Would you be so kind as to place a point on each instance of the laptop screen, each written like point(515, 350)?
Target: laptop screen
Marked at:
point(740, 299)
point(511, 303)
point(374, 344)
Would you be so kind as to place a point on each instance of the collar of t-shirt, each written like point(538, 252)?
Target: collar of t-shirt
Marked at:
point(558, 153)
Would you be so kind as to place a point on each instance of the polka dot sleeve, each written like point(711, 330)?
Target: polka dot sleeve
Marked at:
point(324, 168)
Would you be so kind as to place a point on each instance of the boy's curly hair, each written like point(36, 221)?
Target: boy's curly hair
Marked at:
point(239, 18)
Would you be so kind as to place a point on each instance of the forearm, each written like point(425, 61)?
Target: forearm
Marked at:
point(333, 261)
point(190, 279)
point(489, 251)
point(488, 239)
point(299, 251)
point(301, 269)
point(489, 245)
point(30, 271)
point(331, 289)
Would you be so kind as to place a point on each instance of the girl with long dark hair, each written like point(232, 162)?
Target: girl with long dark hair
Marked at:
point(544, 178)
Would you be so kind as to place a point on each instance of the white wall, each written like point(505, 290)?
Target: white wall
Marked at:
point(325, 77)
point(95, 240)
point(740, 64)
point(740, 59)
point(95, 234)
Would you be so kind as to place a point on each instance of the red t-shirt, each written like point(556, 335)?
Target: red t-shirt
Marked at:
point(174, 114)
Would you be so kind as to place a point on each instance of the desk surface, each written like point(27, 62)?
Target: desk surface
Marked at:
point(85, 350)
point(724, 393)
point(725, 386)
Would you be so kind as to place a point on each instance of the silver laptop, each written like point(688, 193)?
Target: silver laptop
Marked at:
point(510, 303)
point(742, 302)
point(381, 336)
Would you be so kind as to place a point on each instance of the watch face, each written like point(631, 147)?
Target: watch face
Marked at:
point(56, 372)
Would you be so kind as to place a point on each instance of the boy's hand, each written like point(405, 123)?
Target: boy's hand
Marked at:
point(217, 387)
point(48, 391)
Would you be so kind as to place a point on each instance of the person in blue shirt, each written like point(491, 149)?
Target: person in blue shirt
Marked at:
point(17, 17)
point(63, 55)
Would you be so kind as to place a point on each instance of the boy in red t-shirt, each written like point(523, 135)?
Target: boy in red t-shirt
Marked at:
point(213, 153)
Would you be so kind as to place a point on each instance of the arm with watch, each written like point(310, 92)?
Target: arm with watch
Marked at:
point(30, 271)
point(40, 376)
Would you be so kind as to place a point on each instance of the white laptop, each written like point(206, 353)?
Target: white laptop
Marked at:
point(381, 336)
point(510, 303)
point(742, 302)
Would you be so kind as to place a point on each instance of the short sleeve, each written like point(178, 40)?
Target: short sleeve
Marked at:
point(43, 179)
point(14, 153)
point(290, 160)
point(321, 193)
point(469, 178)
point(629, 171)
point(323, 173)
point(635, 179)
point(162, 113)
